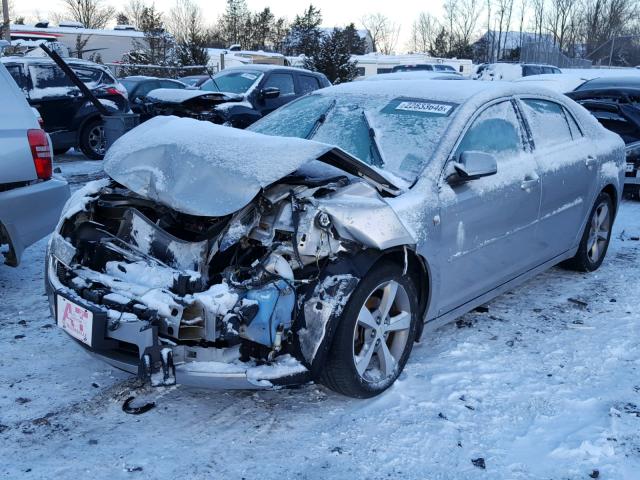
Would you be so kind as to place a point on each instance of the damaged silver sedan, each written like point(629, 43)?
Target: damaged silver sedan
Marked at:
point(321, 243)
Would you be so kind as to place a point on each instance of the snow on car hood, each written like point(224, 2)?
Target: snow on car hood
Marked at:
point(203, 169)
point(173, 95)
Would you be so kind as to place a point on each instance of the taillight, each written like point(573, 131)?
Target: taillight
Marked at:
point(113, 91)
point(41, 153)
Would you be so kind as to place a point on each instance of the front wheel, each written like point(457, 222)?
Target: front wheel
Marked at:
point(92, 141)
point(595, 240)
point(376, 333)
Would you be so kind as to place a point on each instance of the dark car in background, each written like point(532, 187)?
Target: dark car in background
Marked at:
point(615, 102)
point(69, 118)
point(139, 86)
point(237, 96)
point(195, 81)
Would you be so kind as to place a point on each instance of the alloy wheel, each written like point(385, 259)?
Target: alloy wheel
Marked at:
point(381, 332)
point(96, 140)
point(599, 232)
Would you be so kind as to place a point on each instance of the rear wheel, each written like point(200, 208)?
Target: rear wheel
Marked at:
point(595, 240)
point(92, 141)
point(376, 333)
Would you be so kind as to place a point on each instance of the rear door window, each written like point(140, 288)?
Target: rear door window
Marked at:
point(528, 70)
point(576, 132)
point(170, 84)
point(16, 73)
point(145, 87)
point(496, 130)
point(548, 122)
point(308, 84)
point(282, 81)
point(48, 76)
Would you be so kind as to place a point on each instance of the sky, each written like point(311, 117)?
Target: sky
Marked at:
point(334, 12)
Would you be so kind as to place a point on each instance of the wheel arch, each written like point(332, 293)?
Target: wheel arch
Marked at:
point(359, 265)
point(82, 122)
point(611, 190)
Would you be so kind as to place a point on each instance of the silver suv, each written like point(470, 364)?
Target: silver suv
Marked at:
point(30, 197)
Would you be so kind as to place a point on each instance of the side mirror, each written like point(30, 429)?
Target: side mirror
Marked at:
point(269, 92)
point(474, 165)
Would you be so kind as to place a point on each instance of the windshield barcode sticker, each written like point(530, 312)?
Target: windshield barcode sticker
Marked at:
point(425, 107)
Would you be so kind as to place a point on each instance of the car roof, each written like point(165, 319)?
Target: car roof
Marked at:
point(455, 91)
point(458, 91)
point(143, 78)
point(627, 81)
point(47, 60)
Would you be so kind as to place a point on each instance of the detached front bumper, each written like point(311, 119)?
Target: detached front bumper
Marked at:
point(130, 345)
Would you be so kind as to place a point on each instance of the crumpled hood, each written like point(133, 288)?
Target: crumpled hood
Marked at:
point(173, 95)
point(203, 169)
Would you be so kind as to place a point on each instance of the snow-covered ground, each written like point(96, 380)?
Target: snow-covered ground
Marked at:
point(545, 385)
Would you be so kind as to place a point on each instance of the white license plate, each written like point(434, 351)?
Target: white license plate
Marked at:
point(77, 321)
point(630, 167)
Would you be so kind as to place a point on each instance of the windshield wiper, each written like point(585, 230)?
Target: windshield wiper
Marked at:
point(213, 79)
point(320, 120)
point(376, 153)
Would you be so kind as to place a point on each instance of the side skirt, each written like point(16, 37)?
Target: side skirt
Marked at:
point(433, 324)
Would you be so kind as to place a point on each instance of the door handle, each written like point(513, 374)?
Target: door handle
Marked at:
point(529, 183)
point(591, 161)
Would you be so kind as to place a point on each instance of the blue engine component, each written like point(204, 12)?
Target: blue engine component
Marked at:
point(275, 302)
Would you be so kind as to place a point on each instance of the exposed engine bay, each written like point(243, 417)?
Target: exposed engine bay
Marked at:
point(257, 287)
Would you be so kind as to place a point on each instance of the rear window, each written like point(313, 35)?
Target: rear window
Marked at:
point(90, 76)
point(548, 122)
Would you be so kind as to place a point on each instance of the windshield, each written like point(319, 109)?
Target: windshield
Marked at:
point(232, 81)
point(396, 134)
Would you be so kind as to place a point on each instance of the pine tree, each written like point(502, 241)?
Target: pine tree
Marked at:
point(157, 49)
point(234, 21)
point(305, 35)
point(333, 56)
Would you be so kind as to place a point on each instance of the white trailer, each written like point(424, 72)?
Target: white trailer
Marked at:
point(374, 63)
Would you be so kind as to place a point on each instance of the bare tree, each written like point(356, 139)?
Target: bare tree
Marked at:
point(450, 14)
point(538, 18)
point(133, 11)
point(559, 16)
point(90, 13)
point(384, 33)
point(424, 31)
point(466, 23)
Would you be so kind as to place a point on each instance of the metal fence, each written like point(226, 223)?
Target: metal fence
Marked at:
point(550, 54)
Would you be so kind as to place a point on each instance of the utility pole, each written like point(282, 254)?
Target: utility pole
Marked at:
point(6, 32)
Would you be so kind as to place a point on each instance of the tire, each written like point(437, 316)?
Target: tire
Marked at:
point(595, 239)
point(359, 334)
point(92, 142)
